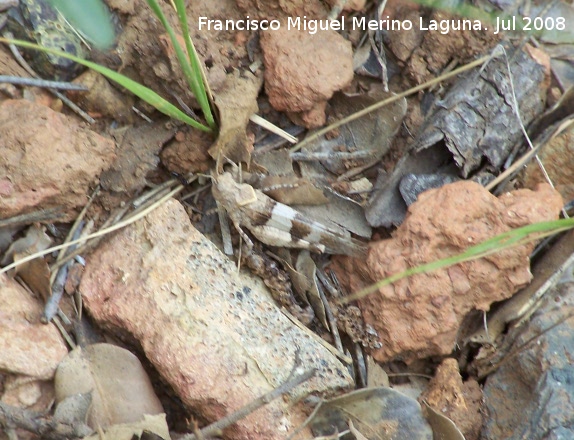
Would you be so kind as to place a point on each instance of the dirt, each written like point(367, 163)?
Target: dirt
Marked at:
point(215, 337)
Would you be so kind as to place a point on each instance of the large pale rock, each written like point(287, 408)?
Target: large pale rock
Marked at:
point(215, 335)
point(420, 316)
point(303, 70)
point(27, 347)
point(47, 159)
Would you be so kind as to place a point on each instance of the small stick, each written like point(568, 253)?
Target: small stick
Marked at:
point(256, 119)
point(41, 215)
point(64, 99)
point(38, 424)
point(59, 280)
point(35, 82)
point(330, 317)
point(337, 155)
point(220, 425)
point(97, 234)
point(388, 101)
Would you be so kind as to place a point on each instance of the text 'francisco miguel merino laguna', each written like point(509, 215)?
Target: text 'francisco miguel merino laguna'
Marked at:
point(312, 26)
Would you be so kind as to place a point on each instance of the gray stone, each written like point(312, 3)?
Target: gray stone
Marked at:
point(530, 395)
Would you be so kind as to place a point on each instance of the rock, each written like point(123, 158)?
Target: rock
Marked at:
point(459, 401)
point(420, 316)
point(27, 347)
point(178, 157)
point(103, 99)
point(48, 160)
point(22, 392)
point(313, 9)
point(557, 159)
point(530, 395)
point(303, 70)
point(214, 335)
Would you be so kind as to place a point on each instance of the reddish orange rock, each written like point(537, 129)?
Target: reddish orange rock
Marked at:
point(303, 70)
point(460, 401)
point(420, 316)
point(47, 160)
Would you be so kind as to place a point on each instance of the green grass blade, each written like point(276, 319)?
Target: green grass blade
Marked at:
point(195, 63)
point(136, 88)
point(194, 79)
point(506, 240)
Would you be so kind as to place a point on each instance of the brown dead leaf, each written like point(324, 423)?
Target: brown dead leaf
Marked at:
point(35, 273)
point(306, 268)
point(370, 135)
point(443, 427)
point(376, 376)
point(34, 240)
point(377, 413)
point(282, 184)
point(292, 190)
point(236, 102)
point(121, 390)
point(151, 427)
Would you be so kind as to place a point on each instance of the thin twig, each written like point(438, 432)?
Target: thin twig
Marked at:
point(522, 128)
point(388, 101)
point(256, 119)
point(36, 82)
point(336, 155)
point(330, 317)
point(342, 356)
point(63, 98)
point(42, 215)
point(217, 427)
point(58, 279)
point(524, 345)
point(99, 233)
point(38, 424)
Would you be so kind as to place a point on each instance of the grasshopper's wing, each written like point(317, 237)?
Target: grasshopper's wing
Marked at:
point(268, 215)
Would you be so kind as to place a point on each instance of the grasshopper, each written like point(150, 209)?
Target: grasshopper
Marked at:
point(276, 224)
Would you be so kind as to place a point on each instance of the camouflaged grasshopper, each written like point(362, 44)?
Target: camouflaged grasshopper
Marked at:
point(276, 224)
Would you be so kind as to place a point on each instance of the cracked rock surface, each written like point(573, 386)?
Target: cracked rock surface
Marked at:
point(420, 316)
point(214, 335)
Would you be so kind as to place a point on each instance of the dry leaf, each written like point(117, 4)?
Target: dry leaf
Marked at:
point(121, 390)
point(376, 376)
point(36, 275)
point(292, 190)
point(377, 413)
point(443, 427)
point(236, 102)
point(306, 268)
point(370, 134)
point(34, 241)
point(151, 427)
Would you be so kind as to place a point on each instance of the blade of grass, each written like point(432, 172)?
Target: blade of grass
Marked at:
point(506, 240)
point(195, 64)
point(136, 88)
point(194, 79)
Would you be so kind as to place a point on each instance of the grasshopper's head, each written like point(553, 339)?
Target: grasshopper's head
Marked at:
point(230, 194)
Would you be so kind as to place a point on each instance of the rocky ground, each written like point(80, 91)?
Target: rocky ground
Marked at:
point(208, 337)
